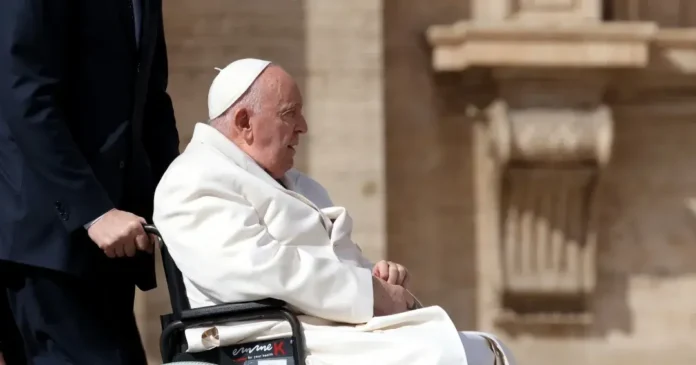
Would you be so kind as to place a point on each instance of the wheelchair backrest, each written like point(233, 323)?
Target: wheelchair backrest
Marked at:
point(175, 281)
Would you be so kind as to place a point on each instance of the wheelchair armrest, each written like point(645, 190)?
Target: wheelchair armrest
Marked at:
point(245, 311)
point(230, 310)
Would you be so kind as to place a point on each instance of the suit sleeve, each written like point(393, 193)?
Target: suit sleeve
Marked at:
point(34, 45)
point(221, 246)
point(160, 132)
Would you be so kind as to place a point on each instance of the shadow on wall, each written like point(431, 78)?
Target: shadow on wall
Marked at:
point(647, 235)
point(430, 205)
point(213, 33)
point(202, 35)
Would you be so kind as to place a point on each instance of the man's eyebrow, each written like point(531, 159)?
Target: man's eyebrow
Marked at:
point(288, 107)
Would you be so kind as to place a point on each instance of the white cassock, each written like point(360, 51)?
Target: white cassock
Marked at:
point(238, 235)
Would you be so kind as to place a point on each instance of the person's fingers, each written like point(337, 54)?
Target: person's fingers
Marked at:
point(118, 249)
point(109, 251)
point(402, 274)
point(407, 279)
point(129, 248)
point(143, 242)
point(138, 233)
point(375, 269)
point(154, 242)
point(393, 273)
point(136, 226)
point(381, 270)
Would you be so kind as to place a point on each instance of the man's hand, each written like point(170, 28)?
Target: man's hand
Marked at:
point(120, 234)
point(391, 272)
point(391, 299)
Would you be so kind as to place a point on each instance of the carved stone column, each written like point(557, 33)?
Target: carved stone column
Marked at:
point(552, 137)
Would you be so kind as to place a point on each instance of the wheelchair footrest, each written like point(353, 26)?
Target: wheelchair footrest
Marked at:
point(272, 352)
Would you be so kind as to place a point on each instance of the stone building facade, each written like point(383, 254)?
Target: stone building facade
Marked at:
point(530, 161)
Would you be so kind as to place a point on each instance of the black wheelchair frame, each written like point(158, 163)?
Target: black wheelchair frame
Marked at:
point(183, 316)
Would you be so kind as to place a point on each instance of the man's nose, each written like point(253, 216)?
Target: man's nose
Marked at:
point(302, 125)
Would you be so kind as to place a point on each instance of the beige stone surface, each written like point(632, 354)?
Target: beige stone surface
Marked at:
point(411, 153)
point(344, 109)
point(536, 11)
point(516, 44)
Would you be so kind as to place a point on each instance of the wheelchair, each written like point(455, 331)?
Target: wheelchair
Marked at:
point(173, 346)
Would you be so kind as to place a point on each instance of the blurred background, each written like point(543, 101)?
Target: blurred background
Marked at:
point(530, 161)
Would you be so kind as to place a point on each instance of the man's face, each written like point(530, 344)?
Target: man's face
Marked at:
point(277, 125)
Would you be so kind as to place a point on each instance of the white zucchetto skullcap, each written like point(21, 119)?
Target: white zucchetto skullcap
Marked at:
point(231, 83)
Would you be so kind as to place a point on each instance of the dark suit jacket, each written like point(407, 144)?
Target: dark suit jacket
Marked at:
point(86, 125)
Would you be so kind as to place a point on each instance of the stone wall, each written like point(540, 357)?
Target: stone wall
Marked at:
point(430, 196)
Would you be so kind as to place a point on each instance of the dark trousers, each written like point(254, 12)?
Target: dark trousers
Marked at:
point(68, 320)
point(11, 345)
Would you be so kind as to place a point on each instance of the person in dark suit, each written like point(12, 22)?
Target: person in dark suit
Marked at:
point(86, 131)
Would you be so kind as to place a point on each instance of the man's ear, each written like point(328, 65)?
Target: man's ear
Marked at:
point(242, 123)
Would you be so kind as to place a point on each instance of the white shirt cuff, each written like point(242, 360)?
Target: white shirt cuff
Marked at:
point(89, 224)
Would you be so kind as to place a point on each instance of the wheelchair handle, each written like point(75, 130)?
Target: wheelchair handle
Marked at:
point(151, 229)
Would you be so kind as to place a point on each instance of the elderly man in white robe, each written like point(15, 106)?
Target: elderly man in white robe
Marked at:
point(241, 224)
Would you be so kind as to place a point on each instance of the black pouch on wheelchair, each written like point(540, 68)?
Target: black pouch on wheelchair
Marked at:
point(271, 352)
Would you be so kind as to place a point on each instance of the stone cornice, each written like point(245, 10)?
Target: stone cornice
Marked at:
point(632, 45)
point(670, 37)
point(674, 50)
point(459, 31)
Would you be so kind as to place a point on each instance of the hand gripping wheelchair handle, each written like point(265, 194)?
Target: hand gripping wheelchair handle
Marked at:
point(183, 316)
